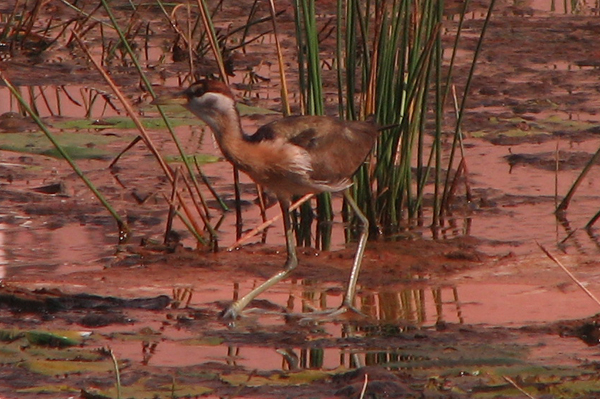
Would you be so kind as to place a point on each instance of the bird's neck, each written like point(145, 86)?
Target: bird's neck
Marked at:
point(228, 132)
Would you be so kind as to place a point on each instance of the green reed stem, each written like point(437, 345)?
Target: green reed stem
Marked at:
point(457, 136)
point(388, 61)
point(564, 204)
point(311, 85)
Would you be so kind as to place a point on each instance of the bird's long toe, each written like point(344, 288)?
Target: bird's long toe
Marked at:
point(348, 310)
point(345, 312)
point(230, 313)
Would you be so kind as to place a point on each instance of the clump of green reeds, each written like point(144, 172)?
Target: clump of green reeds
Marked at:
point(389, 65)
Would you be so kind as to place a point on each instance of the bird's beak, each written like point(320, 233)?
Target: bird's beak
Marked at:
point(171, 99)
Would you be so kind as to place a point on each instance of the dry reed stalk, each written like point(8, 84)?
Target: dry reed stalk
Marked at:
point(579, 283)
point(266, 224)
point(518, 388)
point(144, 134)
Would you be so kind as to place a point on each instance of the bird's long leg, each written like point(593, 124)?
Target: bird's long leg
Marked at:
point(290, 264)
point(348, 303)
point(362, 243)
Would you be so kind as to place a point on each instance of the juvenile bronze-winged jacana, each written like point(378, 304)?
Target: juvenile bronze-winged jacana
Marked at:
point(295, 155)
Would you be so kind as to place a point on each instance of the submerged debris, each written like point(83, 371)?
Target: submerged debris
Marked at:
point(20, 300)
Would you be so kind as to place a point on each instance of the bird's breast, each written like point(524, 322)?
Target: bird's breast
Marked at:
point(274, 164)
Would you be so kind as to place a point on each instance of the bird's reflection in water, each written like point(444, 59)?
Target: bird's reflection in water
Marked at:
point(389, 314)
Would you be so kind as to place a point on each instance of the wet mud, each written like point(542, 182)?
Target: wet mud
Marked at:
point(473, 310)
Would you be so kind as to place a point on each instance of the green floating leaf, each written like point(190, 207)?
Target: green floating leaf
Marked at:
point(50, 389)
point(78, 153)
point(62, 367)
point(62, 354)
point(199, 158)
point(299, 378)
point(77, 145)
point(206, 341)
point(60, 339)
point(119, 122)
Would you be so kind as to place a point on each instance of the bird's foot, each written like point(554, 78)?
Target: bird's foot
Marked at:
point(231, 313)
point(240, 309)
point(346, 310)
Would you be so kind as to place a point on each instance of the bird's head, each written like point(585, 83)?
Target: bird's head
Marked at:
point(207, 99)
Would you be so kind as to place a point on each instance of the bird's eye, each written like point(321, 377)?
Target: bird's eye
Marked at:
point(199, 91)
point(195, 91)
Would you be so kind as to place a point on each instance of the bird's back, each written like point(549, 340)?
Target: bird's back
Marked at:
point(335, 148)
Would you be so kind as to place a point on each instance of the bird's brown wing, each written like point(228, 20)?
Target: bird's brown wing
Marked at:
point(338, 155)
point(336, 148)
